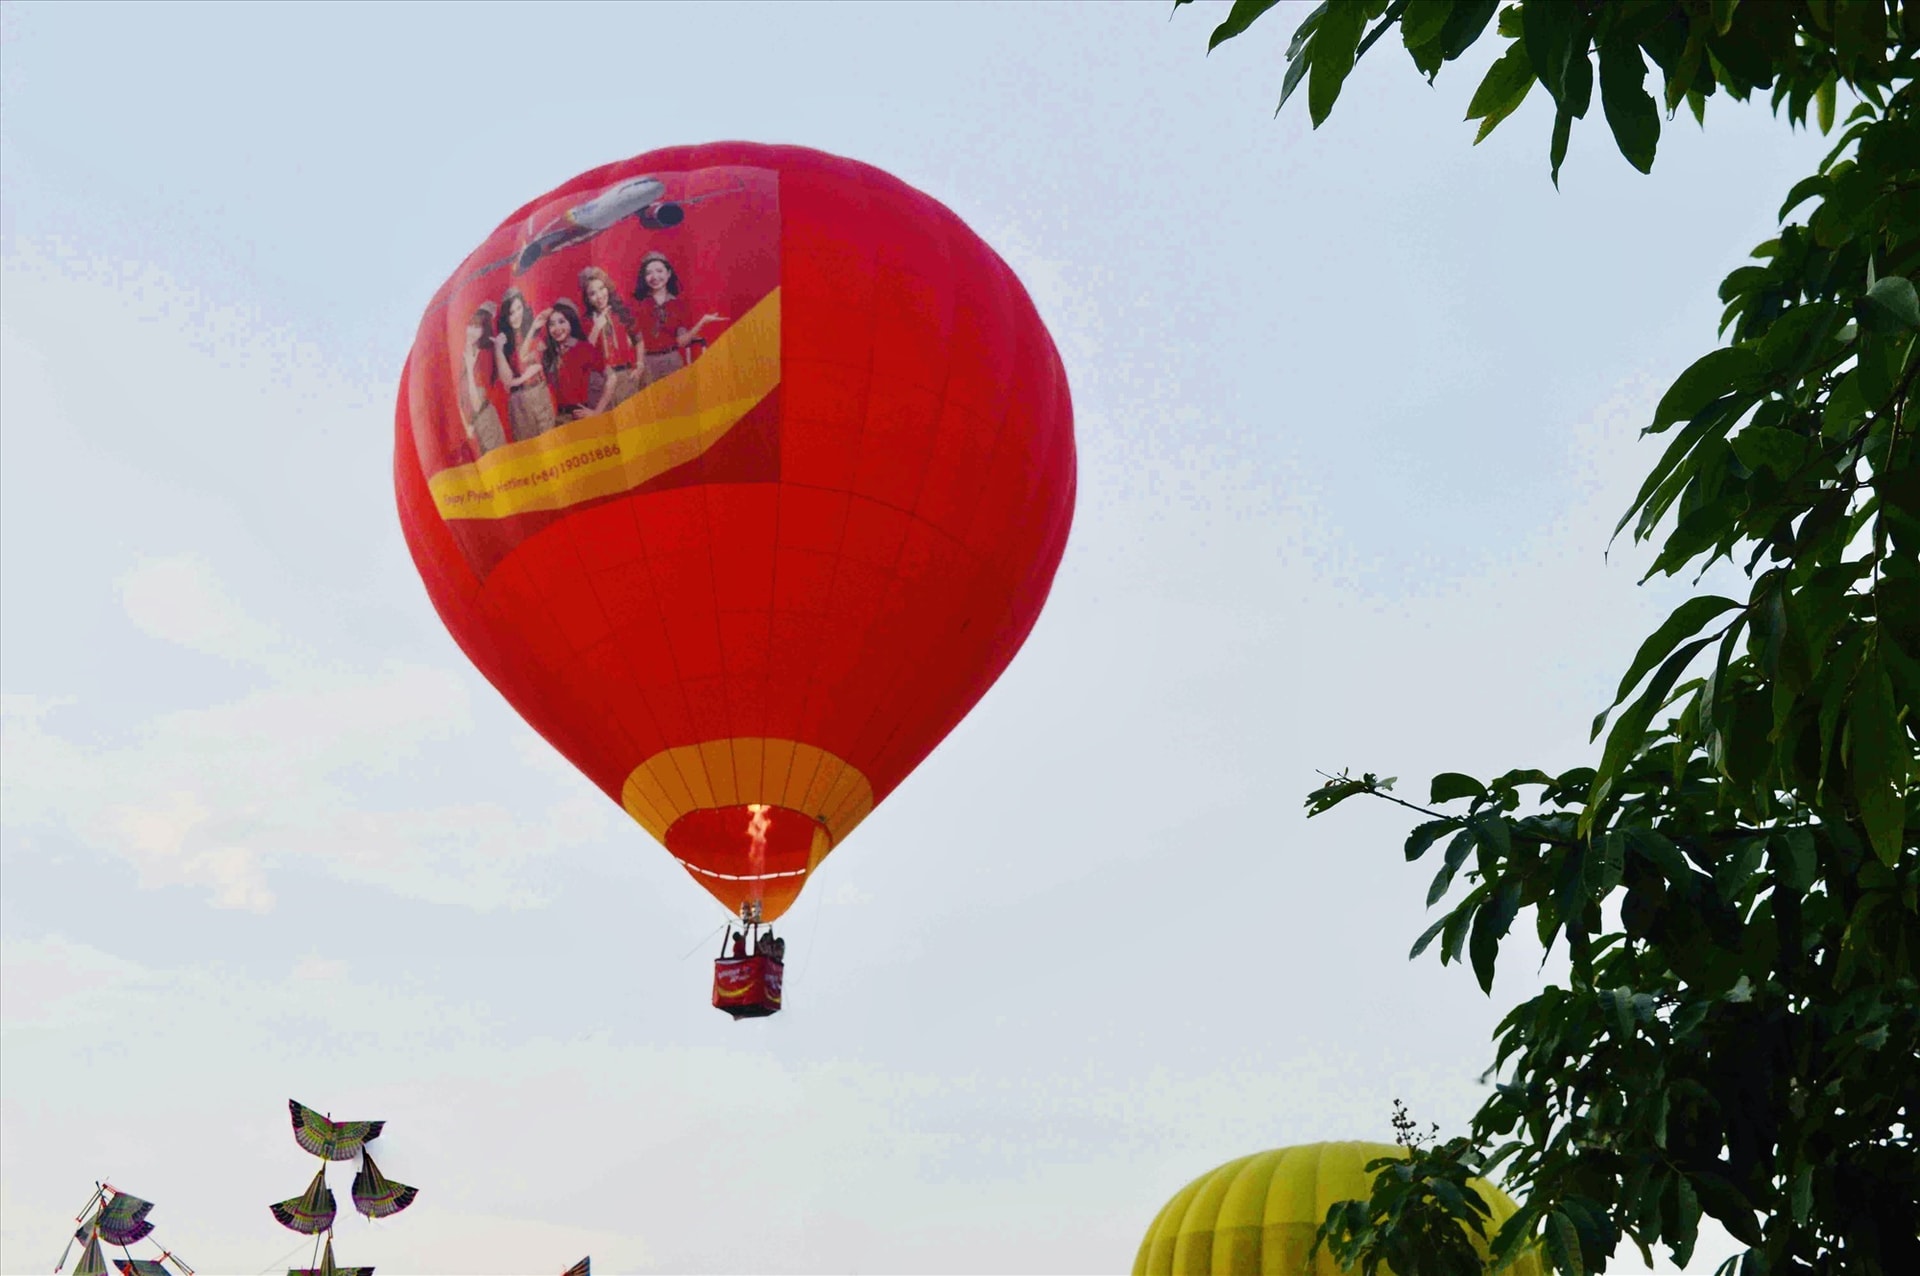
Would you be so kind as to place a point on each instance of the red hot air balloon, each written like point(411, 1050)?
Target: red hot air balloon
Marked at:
point(742, 471)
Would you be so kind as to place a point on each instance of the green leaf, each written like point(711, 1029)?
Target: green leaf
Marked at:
point(1464, 24)
point(1239, 18)
point(1296, 71)
point(1494, 836)
point(1449, 785)
point(1554, 34)
point(1332, 51)
point(1879, 758)
point(1578, 85)
point(1686, 1219)
point(1308, 25)
point(1677, 464)
point(1455, 932)
point(1490, 926)
point(1619, 1003)
point(1563, 1243)
point(1707, 378)
point(1685, 620)
point(1803, 858)
point(1456, 855)
point(1724, 1201)
point(1623, 742)
point(1764, 447)
point(1845, 408)
point(1895, 297)
point(1557, 149)
point(1794, 336)
point(1506, 85)
point(1427, 937)
point(1660, 852)
point(1689, 1017)
point(1425, 835)
point(1804, 189)
point(1631, 111)
point(1605, 863)
point(1422, 21)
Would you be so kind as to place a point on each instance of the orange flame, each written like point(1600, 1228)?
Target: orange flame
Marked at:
point(757, 828)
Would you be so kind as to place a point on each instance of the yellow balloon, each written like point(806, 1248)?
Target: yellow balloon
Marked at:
point(1256, 1216)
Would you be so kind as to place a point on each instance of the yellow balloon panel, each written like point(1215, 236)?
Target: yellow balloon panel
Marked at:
point(1257, 1216)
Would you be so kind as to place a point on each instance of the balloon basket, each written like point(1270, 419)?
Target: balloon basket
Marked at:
point(747, 987)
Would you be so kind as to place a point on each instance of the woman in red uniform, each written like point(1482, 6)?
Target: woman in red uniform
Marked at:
point(665, 328)
point(573, 364)
point(478, 377)
point(610, 330)
point(529, 403)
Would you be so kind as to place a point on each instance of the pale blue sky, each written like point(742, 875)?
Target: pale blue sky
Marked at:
point(1356, 411)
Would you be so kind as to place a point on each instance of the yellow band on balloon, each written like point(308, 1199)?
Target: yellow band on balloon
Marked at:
point(747, 770)
point(666, 425)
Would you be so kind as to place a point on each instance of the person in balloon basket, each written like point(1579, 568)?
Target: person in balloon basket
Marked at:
point(478, 378)
point(573, 365)
point(667, 326)
point(516, 361)
point(611, 327)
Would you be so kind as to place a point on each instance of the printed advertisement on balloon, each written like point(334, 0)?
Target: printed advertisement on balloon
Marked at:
point(614, 340)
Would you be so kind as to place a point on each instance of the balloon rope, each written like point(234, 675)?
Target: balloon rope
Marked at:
point(819, 902)
point(703, 942)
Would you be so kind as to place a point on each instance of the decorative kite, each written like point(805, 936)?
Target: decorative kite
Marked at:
point(327, 1267)
point(377, 1196)
point(333, 1140)
point(582, 1268)
point(742, 510)
point(121, 1218)
point(113, 1217)
point(311, 1212)
point(92, 1262)
point(374, 1194)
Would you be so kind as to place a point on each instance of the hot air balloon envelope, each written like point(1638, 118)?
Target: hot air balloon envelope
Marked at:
point(1259, 1214)
point(742, 489)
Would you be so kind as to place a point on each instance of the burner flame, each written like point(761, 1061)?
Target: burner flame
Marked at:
point(757, 827)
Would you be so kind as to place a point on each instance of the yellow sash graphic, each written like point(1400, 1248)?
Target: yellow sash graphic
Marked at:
point(665, 425)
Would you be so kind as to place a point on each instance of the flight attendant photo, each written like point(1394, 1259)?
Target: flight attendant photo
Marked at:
point(516, 360)
point(573, 364)
point(610, 330)
point(666, 328)
point(478, 376)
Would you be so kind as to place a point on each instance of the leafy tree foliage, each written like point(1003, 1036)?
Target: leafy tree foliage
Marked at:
point(1735, 879)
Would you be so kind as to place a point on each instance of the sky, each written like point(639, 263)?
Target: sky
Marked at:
point(1356, 410)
